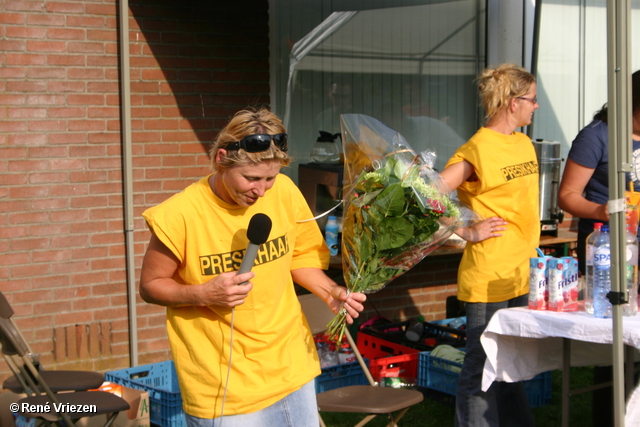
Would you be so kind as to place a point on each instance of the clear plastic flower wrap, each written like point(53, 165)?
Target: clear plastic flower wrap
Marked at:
point(396, 209)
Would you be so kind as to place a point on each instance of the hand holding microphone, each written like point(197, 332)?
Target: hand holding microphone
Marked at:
point(257, 233)
point(224, 289)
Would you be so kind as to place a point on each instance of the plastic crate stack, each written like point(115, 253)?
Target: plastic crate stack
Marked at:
point(161, 382)
point(391, 355)
point(442, 375)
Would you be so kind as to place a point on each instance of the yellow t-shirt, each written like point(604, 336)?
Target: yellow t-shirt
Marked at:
point(273, 350)
point(497, 269)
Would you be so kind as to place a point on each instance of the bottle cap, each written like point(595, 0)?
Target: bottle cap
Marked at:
point(333, 218)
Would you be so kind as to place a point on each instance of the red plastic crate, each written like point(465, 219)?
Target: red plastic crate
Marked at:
point(388, 359)
point(403, 366)
point(374, 347)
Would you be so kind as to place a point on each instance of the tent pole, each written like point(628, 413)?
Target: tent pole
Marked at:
point(619, 127)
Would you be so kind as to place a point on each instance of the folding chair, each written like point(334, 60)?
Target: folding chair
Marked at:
point(57, 380)
point(369, 399)
point(49, 408)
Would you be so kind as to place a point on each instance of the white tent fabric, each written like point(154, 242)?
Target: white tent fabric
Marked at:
point(413, 40)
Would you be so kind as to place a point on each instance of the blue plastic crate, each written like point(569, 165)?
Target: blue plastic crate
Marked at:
point(341, 376)
point(161, 382)
point(442, 375)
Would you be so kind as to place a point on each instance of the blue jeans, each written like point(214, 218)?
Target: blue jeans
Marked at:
point(504, 404)
point(298, 409)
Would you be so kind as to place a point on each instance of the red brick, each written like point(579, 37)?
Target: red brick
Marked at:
point(106, 138)
point(101, 9)
point(64, 7)
point(24, 5)
point(85, 99)
point(12, 45)
point(102, 35)
point(63, 112)
point(52, 20)
point(87, 176)
point(66, 86)
point(66, 60)
point(47, 126)
point(87, 125)
point(106, 87)
point(67, 138)
point(86, 47)
point(103, 112)
point(34, 86)
point(68, 164)
point(145, 112)
point(25, 32)
point(12, 72)
point(85, 73)
point(68, 190)
point(9, 153)
point(26, 113)
point(66, 33)
point(48, 178)
point(45, 73)
point(11, 18)
point(102, 61)
point(26, 139)
point(85, 21)
point(46, 46)
point(13, 99)
point(70, 215)
point(161, 75)
point(46, 99)
point(165, 124)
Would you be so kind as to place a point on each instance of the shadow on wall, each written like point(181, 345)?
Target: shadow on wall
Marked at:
point(190, 63)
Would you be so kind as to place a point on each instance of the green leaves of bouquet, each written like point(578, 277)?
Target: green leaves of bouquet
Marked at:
point(390, 222)
point(393, 211)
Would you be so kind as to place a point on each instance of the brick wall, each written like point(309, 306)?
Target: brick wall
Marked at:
point(61, 201)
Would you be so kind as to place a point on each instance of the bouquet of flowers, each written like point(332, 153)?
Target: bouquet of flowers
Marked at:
point(396, 210)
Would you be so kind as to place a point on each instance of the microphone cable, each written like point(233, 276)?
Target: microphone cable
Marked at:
point(226, 384)
point(257, 234)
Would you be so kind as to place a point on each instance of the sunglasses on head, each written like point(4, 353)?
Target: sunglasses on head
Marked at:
point(259, 142)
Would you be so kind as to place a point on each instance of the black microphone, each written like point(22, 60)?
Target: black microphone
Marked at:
point(257, 233)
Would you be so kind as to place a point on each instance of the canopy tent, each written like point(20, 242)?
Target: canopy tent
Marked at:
point(411, 40)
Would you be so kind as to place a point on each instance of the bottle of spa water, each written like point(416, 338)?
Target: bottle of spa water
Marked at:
point(602, 274)
point(631, 308)
point(331, 234)
point(588, 276)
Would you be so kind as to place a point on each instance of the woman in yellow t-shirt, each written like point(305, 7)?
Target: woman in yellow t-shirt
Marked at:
point(199, 237)
point(496, 175)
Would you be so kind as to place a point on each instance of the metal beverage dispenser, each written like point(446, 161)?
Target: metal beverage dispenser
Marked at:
point(550, 163)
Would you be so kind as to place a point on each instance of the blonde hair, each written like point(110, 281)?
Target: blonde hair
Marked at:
point(497, 86)
point(245, 122)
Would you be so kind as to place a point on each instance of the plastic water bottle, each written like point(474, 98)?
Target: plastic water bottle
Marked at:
point(331, 234)
point(631, 308)
point(588, 276)
point(602, 274)
point(330, 357)
point(346, 354)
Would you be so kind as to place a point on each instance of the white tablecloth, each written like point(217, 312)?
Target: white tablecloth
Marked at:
point(521, 343)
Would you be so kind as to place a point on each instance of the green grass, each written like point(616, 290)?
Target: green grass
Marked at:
point(437, 410)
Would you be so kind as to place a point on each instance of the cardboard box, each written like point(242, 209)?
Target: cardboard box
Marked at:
point(136, 416)
point(6, 416)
